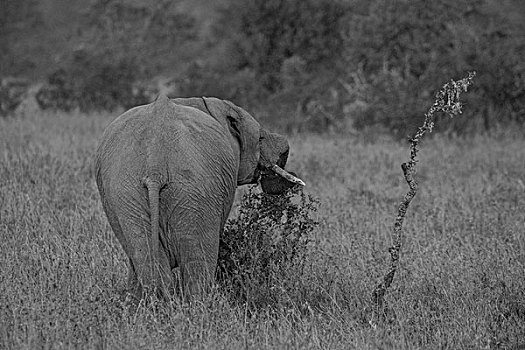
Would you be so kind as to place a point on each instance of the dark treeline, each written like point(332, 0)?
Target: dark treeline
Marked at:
point(298, 64)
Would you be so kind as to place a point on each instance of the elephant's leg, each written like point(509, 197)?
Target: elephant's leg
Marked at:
point(195, 238)
point(133, 285)
point(195, 214)
point(198, 265)
point(199, 249)
point(133, 282)
point(144, 274)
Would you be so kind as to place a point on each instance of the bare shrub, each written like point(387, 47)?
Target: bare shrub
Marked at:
point(447, 101)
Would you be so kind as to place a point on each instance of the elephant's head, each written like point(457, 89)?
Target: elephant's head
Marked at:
point(274, 151)
point(262, 154)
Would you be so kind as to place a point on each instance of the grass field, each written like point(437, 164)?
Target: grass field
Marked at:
point(461, 284)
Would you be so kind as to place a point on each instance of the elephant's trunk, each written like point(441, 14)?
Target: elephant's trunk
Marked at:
point(274, 150)
point(278, 170)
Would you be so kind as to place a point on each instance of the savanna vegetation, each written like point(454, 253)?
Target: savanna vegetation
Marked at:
point(461, 283)
point(347, 80)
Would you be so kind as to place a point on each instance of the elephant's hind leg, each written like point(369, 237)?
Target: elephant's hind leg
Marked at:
point(133, 287)
point(197, 253)
point(145, 273)
point(197, 276)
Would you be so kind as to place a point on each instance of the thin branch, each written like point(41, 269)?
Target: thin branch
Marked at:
point(447, 101)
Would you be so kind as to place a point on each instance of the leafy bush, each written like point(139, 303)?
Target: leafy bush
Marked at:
point(123, 45)
point(278, 58)
point(269, 32)
point(264, 251)
point(19, 19)
point(11, 94)
point(145, 31)
point(404, 49)
point(298, 64)
point(92, 83)
point(323, 65)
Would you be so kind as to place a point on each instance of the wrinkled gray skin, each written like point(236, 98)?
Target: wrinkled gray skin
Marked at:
point(167, 174)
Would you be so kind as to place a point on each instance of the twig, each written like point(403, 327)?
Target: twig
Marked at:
point(447, 101)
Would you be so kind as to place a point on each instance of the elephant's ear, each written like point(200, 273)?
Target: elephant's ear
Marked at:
point(222, 111)
point(233, 125)
point(244, 129)
point(226, 114)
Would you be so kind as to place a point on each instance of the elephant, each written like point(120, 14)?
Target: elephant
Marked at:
point(167, 173)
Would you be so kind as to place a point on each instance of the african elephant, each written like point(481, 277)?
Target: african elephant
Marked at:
point(167, 173)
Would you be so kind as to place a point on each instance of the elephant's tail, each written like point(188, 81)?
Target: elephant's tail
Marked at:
point(154, 185)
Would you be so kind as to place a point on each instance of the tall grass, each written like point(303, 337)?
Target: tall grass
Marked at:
point(461, 282)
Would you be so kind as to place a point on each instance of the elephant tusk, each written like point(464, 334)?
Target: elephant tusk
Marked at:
point(278, 170)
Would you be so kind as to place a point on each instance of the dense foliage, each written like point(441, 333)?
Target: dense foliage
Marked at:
point(309, 64)
point(120, 47)
point(405, 50)
point(320, 64)
point(281, 58)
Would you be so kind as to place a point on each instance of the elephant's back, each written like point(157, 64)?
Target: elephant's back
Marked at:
point(183, 144)
point(160, 122)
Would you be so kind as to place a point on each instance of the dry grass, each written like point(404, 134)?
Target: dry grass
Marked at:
point(461, 282)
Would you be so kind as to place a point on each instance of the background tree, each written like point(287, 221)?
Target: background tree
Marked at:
point(17, 19)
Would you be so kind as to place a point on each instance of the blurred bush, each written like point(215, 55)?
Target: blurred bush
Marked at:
point(403, 52)
point(277, 58)
point(296, 64)
point(122, 44)
point(12, 91)
point(323, 65)
point(17, 19)
point(266, 34)
point(93, 82)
